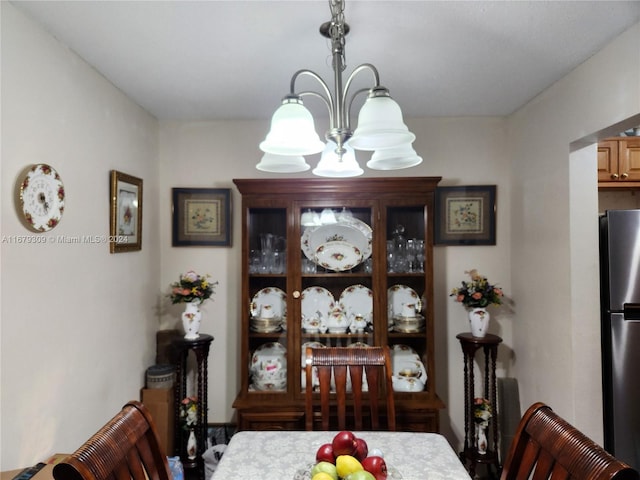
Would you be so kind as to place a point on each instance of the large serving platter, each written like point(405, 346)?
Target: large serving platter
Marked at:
point(354, 232)
point(337, 256)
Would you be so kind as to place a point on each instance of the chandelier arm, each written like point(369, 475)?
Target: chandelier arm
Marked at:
point(358, 69)
point(328, 99)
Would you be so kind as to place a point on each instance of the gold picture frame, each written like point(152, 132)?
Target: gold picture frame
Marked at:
point(126, 213)
point(201, 217)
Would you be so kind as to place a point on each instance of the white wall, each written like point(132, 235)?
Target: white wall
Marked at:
point(465, 151)
point(554, 230)
point(77, 323)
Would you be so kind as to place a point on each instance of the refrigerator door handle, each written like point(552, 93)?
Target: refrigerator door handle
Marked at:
point(632, 311)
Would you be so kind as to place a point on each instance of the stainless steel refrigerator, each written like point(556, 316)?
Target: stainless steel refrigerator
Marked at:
point(620, 305)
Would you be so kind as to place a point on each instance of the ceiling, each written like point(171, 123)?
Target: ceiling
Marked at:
point(207, 60)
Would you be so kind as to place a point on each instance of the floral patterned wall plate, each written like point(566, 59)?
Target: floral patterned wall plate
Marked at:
point(272, 296)
point(354, 232)
point(337, 256)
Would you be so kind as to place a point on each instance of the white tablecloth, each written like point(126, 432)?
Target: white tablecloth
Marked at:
point(283, 455)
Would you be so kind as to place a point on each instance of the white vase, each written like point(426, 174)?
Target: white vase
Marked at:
point(481, 439)
point(479, 321)
point(192, 445)
point(191, 320)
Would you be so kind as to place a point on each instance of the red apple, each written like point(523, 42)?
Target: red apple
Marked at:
point(362, 450)
point(325, 454)
point(376, 466)
point(344, 443)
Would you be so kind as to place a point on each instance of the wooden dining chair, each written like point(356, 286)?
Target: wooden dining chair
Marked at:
point(546, 446)
point(126, 448)
point(370, 363)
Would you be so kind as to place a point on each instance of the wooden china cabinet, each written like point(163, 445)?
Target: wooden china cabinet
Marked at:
point(275, 209)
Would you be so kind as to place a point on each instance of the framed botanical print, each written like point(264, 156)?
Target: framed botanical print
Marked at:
point(125, 212)
point(465, 215)
point(201, 217)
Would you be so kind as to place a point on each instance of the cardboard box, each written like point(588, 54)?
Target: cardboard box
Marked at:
point(45, 473)
point(159, 401)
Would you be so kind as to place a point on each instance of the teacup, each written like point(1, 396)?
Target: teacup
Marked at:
point(358, 323)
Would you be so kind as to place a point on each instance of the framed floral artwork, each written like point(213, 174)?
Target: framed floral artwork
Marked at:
point(125, 212)
point(465, 215)
point(201, 217)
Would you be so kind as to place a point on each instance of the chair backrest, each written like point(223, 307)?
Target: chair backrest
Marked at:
point(126, 448)
point(546, 446)
point(365, 364)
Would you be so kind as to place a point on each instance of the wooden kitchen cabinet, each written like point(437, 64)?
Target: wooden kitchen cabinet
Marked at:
point(277, 209)
point(619, 162)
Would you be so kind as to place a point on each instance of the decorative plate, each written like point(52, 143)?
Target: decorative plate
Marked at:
point(400, 295)
point(42, 198)
point(357, 300)
point(354, 232)
point(317, 299)
point(337, 256)
point(269, 296)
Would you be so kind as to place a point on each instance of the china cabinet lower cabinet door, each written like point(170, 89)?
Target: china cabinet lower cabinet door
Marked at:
point(335, 262)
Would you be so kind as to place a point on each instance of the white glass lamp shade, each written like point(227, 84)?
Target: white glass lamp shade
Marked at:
point(380, 125)
point(331, 165)
point(282, 163)
point(395, 158)
point(292, 131)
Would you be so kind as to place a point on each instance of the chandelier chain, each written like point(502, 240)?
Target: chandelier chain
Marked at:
point(337, 32)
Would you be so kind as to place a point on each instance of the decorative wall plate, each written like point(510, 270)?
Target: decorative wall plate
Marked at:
point(41, 198)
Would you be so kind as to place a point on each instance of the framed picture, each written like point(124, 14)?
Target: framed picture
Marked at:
point(126, 213)
point(465, 215)
point(201, 217)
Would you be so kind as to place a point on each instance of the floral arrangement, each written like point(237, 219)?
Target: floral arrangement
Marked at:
point(478, 292)
point(192, 288)
point(189, 412)
point(481, 412)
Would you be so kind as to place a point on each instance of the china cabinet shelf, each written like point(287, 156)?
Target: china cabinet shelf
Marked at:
point(371, 216)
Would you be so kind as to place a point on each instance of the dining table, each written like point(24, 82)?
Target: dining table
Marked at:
point(290, 455)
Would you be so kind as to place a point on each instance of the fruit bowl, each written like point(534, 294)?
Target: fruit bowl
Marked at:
point(304, 473)
point(347, 457)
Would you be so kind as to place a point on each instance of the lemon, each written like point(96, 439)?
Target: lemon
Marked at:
point(322, 476)
point(346, 464)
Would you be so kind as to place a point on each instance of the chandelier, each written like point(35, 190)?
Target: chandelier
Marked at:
point(380, 129)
